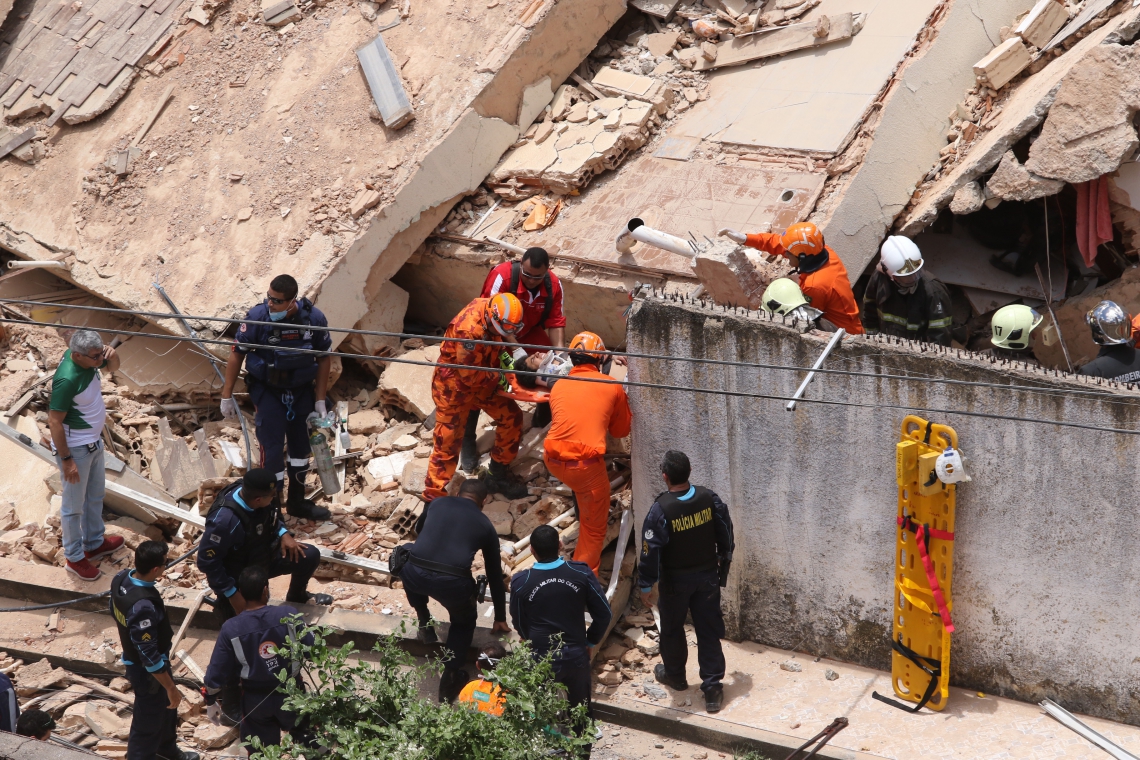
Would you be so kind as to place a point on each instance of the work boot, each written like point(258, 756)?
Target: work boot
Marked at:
point(469, 454)
point(310, 598)
point(714, 699)
point(451, 683)
point(188, 755)
point(499, 479)
point(426, 634)
point(673, 683)
point(302, 508)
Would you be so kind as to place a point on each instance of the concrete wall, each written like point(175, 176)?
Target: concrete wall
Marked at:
point(1045, 566)
point(913, 126)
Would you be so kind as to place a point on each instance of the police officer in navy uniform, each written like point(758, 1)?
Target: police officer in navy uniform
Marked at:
point(145, 635)
point(687, 546)
point(244, 528)
point(284, 386)
point(550, 600)
point(245, 655)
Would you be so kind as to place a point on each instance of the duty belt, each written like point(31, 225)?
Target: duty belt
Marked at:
point(439, 567)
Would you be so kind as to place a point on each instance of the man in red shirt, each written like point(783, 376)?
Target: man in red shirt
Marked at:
point(544, 324)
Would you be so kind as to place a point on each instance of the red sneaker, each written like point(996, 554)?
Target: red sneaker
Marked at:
point(84, 569)
point(109, 545)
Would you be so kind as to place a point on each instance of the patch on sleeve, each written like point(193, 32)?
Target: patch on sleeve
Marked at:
point(244, 327)
point(215, 538)
point(649, 534)
point(469, 345)
point(144, 624)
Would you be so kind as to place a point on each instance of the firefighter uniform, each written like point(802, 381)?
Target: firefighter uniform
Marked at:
point(687, 545)
point(281, 387)
point(923, 315)
point(145, 635)
point(823, 280)
point(483, 696)
point(457, 392)
point(575, 450)
point(244, 656)
point(237, 536)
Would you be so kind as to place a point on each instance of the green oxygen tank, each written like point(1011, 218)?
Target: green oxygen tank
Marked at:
point(321, 431)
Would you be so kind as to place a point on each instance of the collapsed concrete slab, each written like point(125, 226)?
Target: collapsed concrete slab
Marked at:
point(732, 276)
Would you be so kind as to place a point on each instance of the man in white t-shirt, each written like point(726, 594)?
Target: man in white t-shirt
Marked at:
point(76, 416)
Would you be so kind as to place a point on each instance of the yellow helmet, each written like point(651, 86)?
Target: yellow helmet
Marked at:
point(1011, 326)
point(782, 297)
point(505, 313)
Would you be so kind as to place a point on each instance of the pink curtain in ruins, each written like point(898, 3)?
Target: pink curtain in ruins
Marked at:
point(1094, 218)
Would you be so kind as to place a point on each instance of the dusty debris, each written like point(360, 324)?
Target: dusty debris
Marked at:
point(1013, 182)
point(385, 84)
point(408, 386)
point(733, 274)
point(827, 30)
point(1003, 63)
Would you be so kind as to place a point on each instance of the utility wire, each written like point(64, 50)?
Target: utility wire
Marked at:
point(630, 383)
point(442, 339)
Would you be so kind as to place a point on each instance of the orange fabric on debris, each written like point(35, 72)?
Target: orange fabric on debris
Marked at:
point(575, 448)
point(483, 696)
point(583, 413)
point(827, 288)
point(1094, 218)
point(456, 392)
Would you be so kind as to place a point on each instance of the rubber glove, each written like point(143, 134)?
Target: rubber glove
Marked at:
point(322, 408)
point(214, 713)
point(230, 408)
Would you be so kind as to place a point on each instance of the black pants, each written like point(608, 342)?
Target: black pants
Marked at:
point(457, 595)
point(574, 674)
point(301, 571)
point(699, 594)
point(154, 725)
point(264, 716)
point(281, 417)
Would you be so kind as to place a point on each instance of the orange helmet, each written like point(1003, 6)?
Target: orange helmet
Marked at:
point(505, 314)
point(803, 239)
point(588, 343)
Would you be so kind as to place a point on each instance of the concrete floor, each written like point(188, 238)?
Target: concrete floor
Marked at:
point(758, 694)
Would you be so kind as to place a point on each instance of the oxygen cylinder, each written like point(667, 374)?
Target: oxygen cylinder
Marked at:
point(322, 456)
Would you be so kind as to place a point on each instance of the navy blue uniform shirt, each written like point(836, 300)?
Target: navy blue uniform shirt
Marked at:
point(656, 533)
point(223, 532)
point(298, 368)
point(552, 598)
point(244, 650)
point(142, 622)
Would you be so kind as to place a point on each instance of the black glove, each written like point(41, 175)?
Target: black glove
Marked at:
point(725, 564)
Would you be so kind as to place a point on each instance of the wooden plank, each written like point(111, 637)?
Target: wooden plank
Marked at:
point(384, 82)
point(780, 41)
point(153, 115)
point(16, 141)
point(59, 112)
point(96, 35)
point(74, 64)
point(87, 27)
point(277, 10)
point(161, 6)
point(197, 605)
point(133, 15)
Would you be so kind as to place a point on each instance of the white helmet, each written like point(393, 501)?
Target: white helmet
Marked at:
point(901, 256)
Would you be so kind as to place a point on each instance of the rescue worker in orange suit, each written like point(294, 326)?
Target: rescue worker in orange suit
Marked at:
point(544, 324)
point(483, 694)
point(575, 445)
point(457, 392)
point(823, 278)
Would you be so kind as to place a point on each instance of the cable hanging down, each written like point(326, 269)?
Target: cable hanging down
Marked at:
point(630, 383)
point(441, 339)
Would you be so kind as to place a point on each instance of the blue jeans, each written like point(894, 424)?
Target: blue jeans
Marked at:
point(81, 515)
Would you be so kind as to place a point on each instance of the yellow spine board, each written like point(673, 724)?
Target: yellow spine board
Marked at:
point(927, 501)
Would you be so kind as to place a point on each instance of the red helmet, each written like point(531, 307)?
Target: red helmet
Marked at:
point(505, 314)
point(803, 239)
point(588, 343)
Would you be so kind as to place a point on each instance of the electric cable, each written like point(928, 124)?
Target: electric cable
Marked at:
point(88, 598)
point(631, 383)
point(443, 339)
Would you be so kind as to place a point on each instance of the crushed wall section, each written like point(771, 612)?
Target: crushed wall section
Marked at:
point(913, 126)
point(472, 147)
point(813, 496)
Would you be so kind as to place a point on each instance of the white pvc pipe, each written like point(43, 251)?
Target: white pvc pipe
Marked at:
point(636, 230)
point(505, 245)
point(37, 265)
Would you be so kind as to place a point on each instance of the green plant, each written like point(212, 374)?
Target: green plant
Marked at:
point(370, 710)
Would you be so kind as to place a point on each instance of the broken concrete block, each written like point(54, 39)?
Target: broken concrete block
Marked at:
point(578, 113)
point(386, 310)
point(12, 539)
point(648, 646)
point(367, 422)
point(38, 676)
point(561, 102)
point(384, 82)
point(368, 10)
point(539, 514)
point(498, 512)
point(404, 516)
point(1003, 63)
point(605, 106)
point(45, 551)
point(388, 469)
point(611, 81)
point(279, 12)
point(661, 43)
point(1013, 182)
point(1042, 22)
point(103, 721)
point(408, 386)
point(413, 476)
point(791, 666)
point(209, 736)
point(730, 276)
point(363, 201)
point(968, 199)
point(102, 98)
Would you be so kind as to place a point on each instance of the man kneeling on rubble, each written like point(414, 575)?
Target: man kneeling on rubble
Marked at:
point(245, 655)
point(244, 528)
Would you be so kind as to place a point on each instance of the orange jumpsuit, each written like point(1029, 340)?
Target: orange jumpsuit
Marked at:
point(456, 392)
point(484, 696)
point(827, 288)
point(575, 450)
